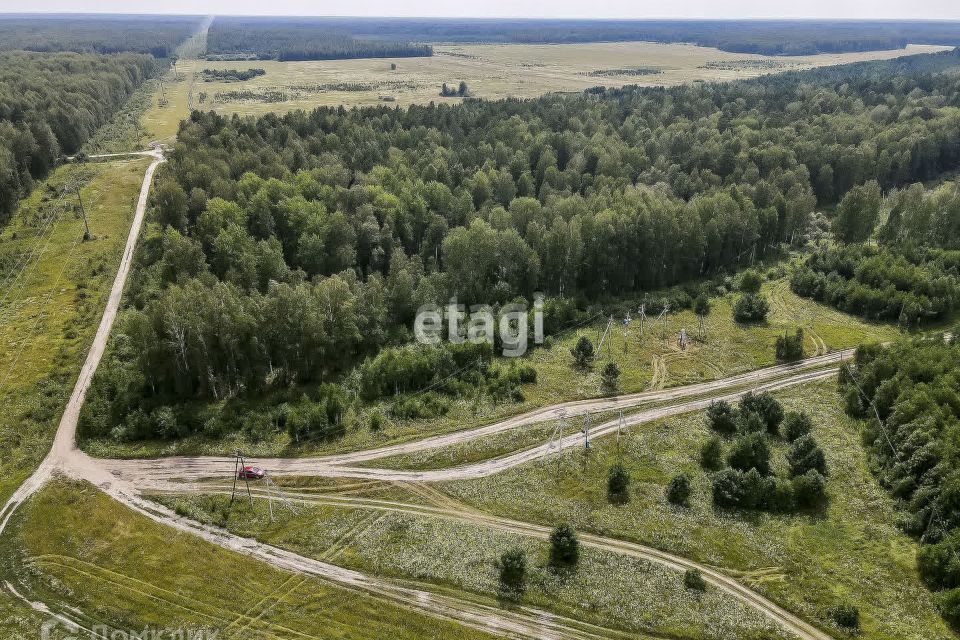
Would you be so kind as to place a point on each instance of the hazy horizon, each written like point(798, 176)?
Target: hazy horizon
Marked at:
point(866, 10)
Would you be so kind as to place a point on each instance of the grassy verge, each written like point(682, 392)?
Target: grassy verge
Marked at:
point(850, 552)
point(605, 589)
point(53, 287)
point(109, 565)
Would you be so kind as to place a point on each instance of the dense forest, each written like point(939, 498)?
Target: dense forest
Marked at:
point(771, 37)
point(294, 246)
point(300, 39)
point(50, 103)
point(908, 393)
point(911, 275)
point(156, 35)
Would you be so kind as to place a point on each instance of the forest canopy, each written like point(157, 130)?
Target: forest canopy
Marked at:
point(292, 247)
point(156, 35)
point(51, 103)
point(770, 37)
point(300, 39)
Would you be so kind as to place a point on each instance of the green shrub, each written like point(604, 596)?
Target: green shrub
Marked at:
point(846, 616)
point(809, 490)
point(766, 406)
point(610, 377)
point(751, 307)
point(582, 352)
point(564, 546)
point(722, 418)
point(750, 451)
point(806, 455)
point(796, 424)
point(789, 348)
point(678, 491)
point(513, 572)
point(618, 484)
point(711, 454)
point(749, 282)
point(693, 580)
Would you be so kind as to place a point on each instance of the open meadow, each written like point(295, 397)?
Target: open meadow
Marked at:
point(53, 286)
point(491, 71)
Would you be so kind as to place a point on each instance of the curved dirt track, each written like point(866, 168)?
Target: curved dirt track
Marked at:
point(453, 510)
point(146, 472)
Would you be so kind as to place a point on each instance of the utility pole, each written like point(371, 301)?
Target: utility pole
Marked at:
point(238, 466)
point(586, 431)
point(86, 226)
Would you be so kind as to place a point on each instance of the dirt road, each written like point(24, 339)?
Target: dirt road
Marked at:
point(155, 472)
point(60, 455)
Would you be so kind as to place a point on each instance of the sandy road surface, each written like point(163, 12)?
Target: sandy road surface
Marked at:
point(145, 473)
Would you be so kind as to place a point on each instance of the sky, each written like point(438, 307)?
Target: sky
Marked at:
point(862, 9)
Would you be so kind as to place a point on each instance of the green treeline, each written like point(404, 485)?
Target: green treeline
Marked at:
point(908, 394)
point(231, 75)
point(911, 275)
point(300, 39)
point(51, 103)
point(295, 246)
point(770, 37)
point(156, 35)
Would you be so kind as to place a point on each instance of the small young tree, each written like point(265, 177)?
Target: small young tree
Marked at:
point(751, 307)
point(564, 546)
point(749, 281)
point(809, 490)
point(582, 352)
point(610, 377)
point(513, 572)
point(678, 491)
point(846, 616)
point(750, 422)
point(806, 455)
point(796, 424)
point(722, 418)
point(766, 406)
point(701, 307)
point(618, 484)
point(750, 452)
point(376, 421)
point(462, 89)
point(789, 348)
point(711, 454)
point(694, 581)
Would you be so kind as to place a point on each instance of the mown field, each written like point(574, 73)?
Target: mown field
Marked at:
point(490, 71)
point(108, 565)
point(52, 289)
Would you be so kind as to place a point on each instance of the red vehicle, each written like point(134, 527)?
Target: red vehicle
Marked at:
point(251, 473)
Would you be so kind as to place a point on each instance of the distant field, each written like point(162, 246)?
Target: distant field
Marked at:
point(490, 71)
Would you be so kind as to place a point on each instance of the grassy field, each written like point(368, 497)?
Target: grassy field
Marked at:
point(108, 565)
point(648, 363)
point(490, 71)
point(53, 286)
point(851, 551)
point(605, 589)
